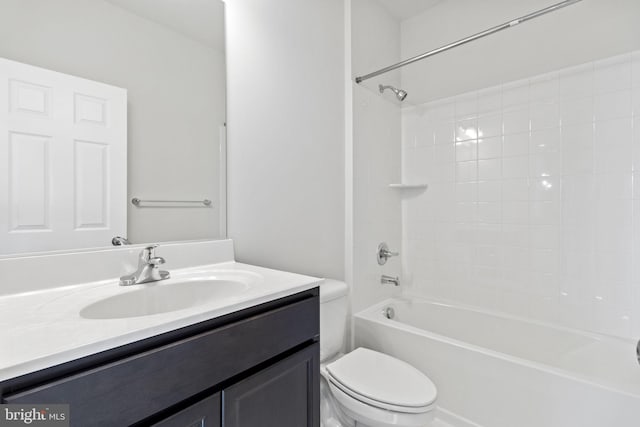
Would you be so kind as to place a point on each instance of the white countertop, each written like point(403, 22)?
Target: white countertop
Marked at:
point(44, 328)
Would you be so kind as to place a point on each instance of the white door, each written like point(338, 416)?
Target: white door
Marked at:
point(63, 160)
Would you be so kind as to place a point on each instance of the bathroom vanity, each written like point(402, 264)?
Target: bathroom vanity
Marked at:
point(246, 359)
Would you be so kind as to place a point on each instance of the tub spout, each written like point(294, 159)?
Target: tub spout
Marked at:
point(384, 279)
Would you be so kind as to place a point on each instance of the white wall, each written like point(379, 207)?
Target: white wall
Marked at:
point(534, 197)
point(176, 100)
point(286, 134)
point(531, 207)
point(585, 31)
point(376, 153)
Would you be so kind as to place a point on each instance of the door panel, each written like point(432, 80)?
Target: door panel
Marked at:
point(283, 395)
point(63, 160)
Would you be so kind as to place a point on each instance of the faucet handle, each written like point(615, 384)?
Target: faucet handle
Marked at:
point(148, 253)
point(156, 261)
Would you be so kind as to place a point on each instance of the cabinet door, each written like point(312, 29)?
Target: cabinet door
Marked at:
point(285, 394)
point(205, 413)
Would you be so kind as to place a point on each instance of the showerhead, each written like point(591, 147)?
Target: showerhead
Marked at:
point(400, 94)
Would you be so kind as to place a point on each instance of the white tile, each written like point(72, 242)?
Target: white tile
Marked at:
point(515, 212)
point(613, 131)
point(515, 145)
point(544, 116)
point(576, 110)
point(490, 125)
point(443, 132)
point(613, 146)
point(515, 94)
point(466, 191)
point(465, 212)
point(516, 236)
point(490, 100)
point(537, 213)
point(544, 260)
point(466, 106)
point(489, 256)
point(545, 141)
point(614, 266)
point(636, 144)
point(515, 167)
point(577, 149)
point(489, 212)
point(578, 199)
point(424, 132)
point(636, 246)
point(489, 148)
point(444, 172)
point(516, 121)
point(545, 189)
point(613, 186)
point(544, 88)
point(545, 164)
point(635, 66)
point(466, 150)
point(612, 74)
point(466, 171)
point(515, 189)
point(613, 105)
point(489, 169)
point(488, 234)
point(445, 153)
point(489, 191)
point(545, 212)
point(466, 129)
point(545, 237)
point(636, 185)
point(613, 227)
point(414, 162)
point(577, 81)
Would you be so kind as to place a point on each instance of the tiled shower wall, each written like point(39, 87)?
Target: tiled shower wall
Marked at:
point(533, 205)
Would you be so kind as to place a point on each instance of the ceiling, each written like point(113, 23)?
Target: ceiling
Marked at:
point(403, 9)
point(200, 20)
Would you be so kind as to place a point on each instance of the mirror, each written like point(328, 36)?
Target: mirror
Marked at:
point(156, 69)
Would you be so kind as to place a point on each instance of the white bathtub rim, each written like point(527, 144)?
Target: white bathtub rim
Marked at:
point(408, 297)
point(374, 314)
point(451, 418)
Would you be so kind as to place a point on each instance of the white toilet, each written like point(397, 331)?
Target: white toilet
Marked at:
point(370, 388)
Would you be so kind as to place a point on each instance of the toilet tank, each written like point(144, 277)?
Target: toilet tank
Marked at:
point(334, 307)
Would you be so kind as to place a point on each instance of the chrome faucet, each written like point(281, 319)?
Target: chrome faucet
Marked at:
point(384, 279)
point(120, 241)
point(148, 269)
point(384, 253)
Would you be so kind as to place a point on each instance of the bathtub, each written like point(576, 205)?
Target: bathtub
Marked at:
point(494, 370)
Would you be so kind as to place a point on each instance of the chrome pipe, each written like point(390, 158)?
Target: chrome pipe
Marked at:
point(466, 40)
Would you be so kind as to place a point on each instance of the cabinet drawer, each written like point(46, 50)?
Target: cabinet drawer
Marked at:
point(136, 387)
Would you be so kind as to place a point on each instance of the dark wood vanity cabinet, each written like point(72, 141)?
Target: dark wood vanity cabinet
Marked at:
point(258, 367)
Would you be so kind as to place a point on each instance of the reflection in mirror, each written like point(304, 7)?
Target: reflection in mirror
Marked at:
point(105, 101)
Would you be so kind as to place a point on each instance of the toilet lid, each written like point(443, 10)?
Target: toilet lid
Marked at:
point(382, 378)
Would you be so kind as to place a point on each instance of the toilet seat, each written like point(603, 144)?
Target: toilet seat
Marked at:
point(382, 381)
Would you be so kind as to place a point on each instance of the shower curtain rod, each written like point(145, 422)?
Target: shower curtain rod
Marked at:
point(476, 36)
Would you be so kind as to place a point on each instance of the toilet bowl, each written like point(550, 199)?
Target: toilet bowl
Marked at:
point(368, 388)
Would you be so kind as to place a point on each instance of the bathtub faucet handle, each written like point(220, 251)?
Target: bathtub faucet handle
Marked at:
point(384, 279)
point(384, 253)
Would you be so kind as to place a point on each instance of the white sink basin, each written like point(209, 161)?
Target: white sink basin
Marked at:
point(162, 297)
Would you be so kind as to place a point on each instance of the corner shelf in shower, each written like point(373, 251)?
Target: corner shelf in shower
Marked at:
point(409, 186)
